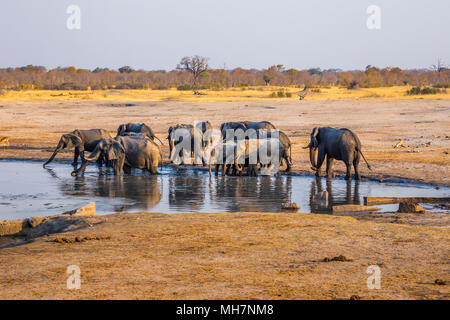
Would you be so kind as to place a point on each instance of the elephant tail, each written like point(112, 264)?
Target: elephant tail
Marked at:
point(290, 154)
point(368, 165)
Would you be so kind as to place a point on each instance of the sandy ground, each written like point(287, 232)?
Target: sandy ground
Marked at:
point(230, 256)
point(240, 255)
point(34, 127)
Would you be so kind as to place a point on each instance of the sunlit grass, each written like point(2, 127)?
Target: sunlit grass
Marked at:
point(231, 94)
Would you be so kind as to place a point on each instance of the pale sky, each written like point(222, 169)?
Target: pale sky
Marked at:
point(156, 34)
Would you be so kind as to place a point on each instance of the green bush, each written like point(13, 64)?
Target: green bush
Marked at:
point(421, 91)
point(280, 94)
point(184, 87)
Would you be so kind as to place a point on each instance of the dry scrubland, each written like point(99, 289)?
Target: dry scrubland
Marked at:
point(237, 255)
point(225, 95)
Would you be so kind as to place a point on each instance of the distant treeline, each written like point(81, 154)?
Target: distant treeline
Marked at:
point(38, 77)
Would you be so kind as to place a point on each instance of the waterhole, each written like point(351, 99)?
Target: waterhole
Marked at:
point(27, 189)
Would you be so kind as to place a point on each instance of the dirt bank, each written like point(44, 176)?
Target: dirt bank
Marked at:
point(231, 256)
point(34, 127)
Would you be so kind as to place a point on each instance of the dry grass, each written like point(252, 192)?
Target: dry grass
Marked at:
point(233, 94)
point(231, 256)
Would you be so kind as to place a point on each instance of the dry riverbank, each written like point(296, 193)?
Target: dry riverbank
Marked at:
point(229, 256)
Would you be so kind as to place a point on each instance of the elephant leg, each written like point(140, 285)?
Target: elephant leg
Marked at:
point(348, 176)
point(126, 169)
point(118, 166)
point(154, 168)
point(320, 159)
point(329, 167)
point(100, 160)
point(76, 154)
point(355, 166)
point(288, 164)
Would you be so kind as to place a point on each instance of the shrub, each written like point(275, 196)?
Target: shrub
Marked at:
point(184, 87)
point(353, 85)
point(71, 86)
point(422, 91)
point(288, 95)
point(160, 87)
point(280, 94)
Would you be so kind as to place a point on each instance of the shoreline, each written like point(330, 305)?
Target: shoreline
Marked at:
point(381, 178)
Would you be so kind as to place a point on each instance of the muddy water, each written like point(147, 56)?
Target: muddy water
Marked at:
point(27, 189)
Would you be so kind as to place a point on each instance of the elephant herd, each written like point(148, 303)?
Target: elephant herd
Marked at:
point(237, 146)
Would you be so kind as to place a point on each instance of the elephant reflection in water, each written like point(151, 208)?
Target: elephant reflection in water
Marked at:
point(334, 198)
point(248, 194)
point(143, 190)
point(186, 192)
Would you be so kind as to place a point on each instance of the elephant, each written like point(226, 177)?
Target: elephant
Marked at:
point(223, 154)
point(259, 152)
point(287, 146)
point(260, 125)
point(127, 152)
point(206, 131)
point(231, 126)
point(175, 139)
point(137, 128)
point(336, 144)
point(82, 140)
point(199, 135)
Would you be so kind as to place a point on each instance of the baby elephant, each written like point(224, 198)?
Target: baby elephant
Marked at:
point(340, 144)
point(127, 152)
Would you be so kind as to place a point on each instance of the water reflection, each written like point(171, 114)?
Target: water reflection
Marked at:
point(337, 197)
point(187, 191)
point(249, 193)
point(26, 190)
point(142, 191)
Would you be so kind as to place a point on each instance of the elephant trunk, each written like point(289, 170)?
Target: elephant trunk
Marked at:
point(312, 157)
point(94, 155)
point(58, 148)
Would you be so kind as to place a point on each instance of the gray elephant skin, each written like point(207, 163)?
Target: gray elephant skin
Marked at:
point(137, 128)
point(81, 140)
point(127, 152)
point(200, 134)
point(335, 144)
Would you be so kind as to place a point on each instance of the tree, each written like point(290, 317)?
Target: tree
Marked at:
point(126, 69)
point(439, 67)
point(197, 66)
point(272, 73)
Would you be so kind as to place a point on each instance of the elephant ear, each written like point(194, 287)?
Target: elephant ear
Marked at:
point(71, 140)
point(115, 151)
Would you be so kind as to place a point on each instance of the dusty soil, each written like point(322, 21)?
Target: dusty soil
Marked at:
point(230, 256)
point(34, 127)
